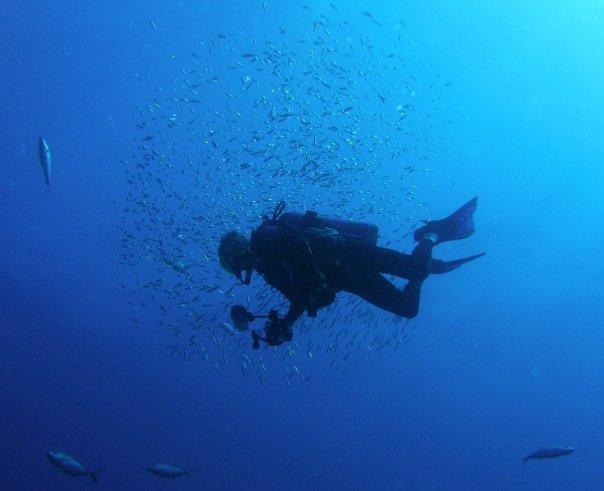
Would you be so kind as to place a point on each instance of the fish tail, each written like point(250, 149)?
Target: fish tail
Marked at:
point(93, 475)
point(188, 473)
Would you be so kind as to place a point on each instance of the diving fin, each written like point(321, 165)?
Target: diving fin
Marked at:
point(458, 225)
point(440, 267)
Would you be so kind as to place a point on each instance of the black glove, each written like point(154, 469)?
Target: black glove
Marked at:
point(277, 332)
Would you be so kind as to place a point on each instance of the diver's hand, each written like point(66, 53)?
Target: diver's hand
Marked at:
point(277, 332)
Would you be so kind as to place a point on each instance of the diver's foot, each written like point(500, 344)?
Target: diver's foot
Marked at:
point(458, 225)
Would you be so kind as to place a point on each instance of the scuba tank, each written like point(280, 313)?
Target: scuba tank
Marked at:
point(321, 294)
point(361, 231)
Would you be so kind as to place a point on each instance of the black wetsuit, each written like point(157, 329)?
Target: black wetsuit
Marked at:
point(309, 268)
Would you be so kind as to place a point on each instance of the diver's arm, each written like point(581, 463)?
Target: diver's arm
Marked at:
point(296, 309)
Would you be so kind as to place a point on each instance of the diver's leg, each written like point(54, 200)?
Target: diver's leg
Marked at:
point(409, 266)
point(378, 291)
point(417, 265)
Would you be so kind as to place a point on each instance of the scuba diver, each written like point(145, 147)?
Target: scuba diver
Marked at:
point(309, 258)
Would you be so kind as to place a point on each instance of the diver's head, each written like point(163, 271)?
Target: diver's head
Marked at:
point(234, 253)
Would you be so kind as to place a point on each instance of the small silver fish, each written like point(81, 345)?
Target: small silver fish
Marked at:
point(170, 471)
point(45, 159)
point(69, 465)
point(228, 328)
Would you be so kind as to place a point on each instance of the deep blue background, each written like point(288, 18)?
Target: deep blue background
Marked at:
point(506, 354)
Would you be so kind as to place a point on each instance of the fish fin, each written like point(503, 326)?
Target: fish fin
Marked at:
point(93, 475)
point(439, 267)
point(457, 226)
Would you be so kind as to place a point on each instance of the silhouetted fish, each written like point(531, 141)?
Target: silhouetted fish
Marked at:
point(171, 471)
point(548, 453)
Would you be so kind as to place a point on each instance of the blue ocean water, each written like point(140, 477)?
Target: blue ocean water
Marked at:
point(505, 103)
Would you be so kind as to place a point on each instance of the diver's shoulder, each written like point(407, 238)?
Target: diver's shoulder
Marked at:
point(266, 235)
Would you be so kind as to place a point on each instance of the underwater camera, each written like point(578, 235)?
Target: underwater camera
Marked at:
point(241, 317)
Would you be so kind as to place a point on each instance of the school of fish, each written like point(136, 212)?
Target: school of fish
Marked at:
point(326, 117)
